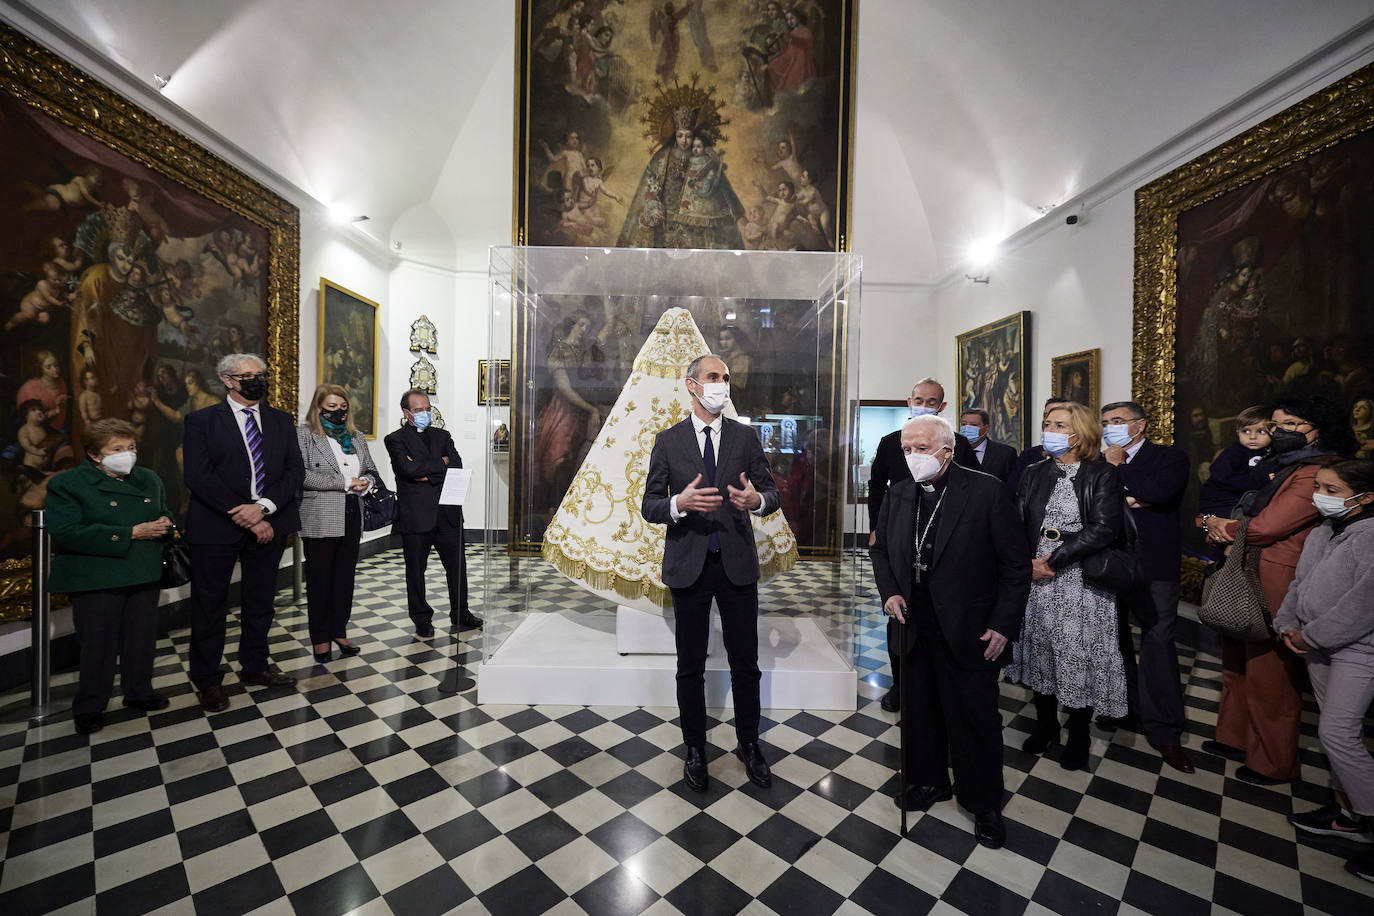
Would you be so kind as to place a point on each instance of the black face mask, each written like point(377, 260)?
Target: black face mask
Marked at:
point(1286, 440)
point(253, 389)
point(337, 416)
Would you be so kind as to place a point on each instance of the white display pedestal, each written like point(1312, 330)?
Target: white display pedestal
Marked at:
point(643, 633)
point(575, 660)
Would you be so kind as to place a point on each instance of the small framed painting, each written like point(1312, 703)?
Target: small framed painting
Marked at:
point(493, 382)
point(1078, 377)
point(348, 350)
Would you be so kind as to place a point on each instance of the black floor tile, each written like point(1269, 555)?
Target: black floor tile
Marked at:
point(241, 894)
point(51, 893)
point(623, 836)
point(703, 836)
point(973, 893)
point(48, 831)
point(784, 838)
point(1154, 896)
point(130, 833)
point(1065, 895)
point(884, 894)
point(215, 833)
point(143, 895)
point(339, 893)
point(380, 834)
point(285, 838)
point(706, 891)
point(433, 893)
point(796, 892)
point(541, 836)
point(616, 893)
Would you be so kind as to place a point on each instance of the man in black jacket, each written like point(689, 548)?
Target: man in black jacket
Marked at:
point(995, 458)
point(927, 400)
point(244, 470)
point(421, 456)
point(1154, 478)
point(951, 562)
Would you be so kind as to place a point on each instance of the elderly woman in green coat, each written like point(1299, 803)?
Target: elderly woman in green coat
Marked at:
point(106, 517)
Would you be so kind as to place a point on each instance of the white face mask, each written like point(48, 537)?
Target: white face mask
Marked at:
point(120, 463)
point(1333, 506)
point(921, 410)
point(923, 466)
point(714, 395)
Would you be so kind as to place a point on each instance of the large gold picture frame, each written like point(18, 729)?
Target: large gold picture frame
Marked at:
point(347, 350)
point(601, 101)
point(1288, 159)
point(991, 364)
point(53, 92)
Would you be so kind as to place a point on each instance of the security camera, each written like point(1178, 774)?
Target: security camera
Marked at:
point(1071, 220)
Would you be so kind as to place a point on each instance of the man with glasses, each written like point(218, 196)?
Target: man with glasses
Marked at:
point(244, 470)
point(1154, 478)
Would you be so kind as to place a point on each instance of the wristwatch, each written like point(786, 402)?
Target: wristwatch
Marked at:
point(1203, 526)
point(263, 506)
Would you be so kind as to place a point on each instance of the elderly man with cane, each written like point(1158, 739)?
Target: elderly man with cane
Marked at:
point(949, 559)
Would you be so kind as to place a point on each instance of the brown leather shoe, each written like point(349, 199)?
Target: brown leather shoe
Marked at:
point(213, 698)
point(272, 677)
point(1176, 757)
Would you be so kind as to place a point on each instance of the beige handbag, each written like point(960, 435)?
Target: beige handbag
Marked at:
point(1233, 602)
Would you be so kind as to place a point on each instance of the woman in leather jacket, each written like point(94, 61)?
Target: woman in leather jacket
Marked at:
point(1071, 505)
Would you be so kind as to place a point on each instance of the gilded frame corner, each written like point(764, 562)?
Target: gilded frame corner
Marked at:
point(41, 79)
point(1329, 116)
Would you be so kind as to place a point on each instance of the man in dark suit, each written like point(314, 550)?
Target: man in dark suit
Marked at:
point(244, 470)
point(1154, 478)
point(995, 458)
point(889, 466)
point(952, 565)
point(710, 554)
point(421, 456)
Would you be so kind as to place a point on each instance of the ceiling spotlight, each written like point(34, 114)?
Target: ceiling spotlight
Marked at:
point(161, 81)
point(342, 217)
point(980, 277)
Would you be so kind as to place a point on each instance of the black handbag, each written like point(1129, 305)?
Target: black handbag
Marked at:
point(379, 507)
point(1233, 601)
point(176, 561)
point(1118, 568)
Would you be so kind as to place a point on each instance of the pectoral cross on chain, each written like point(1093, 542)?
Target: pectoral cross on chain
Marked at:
point(918, 570)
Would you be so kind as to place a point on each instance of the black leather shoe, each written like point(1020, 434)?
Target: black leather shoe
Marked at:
point(324, 656)
point(891, 702)
point(346, 650)
point(1175, 756)
point(151, 703)
point(694, 770)
point(272, 677)
point(990, 830)
point(469, 621)
point(213, 698)
point(424, 630)
point(920, 798)
point(1129, 722)
point(1217, 749)
point(89, 724)
point(754, 765)
point(1255, 778)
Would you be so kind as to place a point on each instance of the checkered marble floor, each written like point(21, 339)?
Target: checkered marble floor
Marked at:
point(380, 787)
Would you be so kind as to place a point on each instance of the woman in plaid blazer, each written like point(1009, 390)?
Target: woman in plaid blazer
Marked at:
point(338, 471)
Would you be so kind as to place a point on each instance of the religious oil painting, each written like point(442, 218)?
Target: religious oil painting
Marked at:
point(1078, 377)
point(120, 286)
point(1254, 279)
point(582, 350)
point(992, 376)
point(348, 351)
point(685, 123)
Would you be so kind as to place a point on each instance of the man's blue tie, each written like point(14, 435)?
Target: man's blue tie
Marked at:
point(709, 456)
point(254, 437)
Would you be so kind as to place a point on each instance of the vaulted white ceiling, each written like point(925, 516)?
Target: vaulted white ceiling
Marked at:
point(971, 113)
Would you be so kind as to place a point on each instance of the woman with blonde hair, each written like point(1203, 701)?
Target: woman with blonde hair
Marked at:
point(1072, 506)
point(338, 471)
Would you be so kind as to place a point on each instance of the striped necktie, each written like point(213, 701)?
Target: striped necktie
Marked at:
point(254, 437)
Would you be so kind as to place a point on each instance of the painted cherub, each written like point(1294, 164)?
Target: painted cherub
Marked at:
point(88, 401)
point(784, 207)
point(753, 229)
point(32, 434)
point(47, 294)
point(593, 186)
point(65, 256)
point(81, 190)
point(142, 202)
point(813, 208)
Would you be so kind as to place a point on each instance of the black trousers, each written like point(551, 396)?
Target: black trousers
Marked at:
point(212, 566)
point(331, 566)
point(118, 622)
point(739, 625)
point(951, 718)
point(447, 540)
point(1153, 686)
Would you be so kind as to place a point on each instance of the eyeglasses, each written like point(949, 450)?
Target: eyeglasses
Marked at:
point(244, 378)
point(1292, 426)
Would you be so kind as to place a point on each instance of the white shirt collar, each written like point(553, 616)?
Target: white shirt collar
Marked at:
point(716, 425)
point(1130, 452)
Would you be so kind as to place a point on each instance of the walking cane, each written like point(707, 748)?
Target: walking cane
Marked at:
point(901, 723)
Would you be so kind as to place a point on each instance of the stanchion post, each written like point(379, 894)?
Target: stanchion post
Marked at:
point(296, 574)
point(40, 629)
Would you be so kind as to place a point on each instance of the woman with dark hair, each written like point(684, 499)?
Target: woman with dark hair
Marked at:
point(1073, 507)
point(107, 517)
point(1261, 701)
point(1328, 620)
point(338, 471)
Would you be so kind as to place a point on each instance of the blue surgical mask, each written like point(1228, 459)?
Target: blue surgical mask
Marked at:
point(1055, 444)
point(1117, 434)
point(969, 432)
point(422, 419)
point(922, 411)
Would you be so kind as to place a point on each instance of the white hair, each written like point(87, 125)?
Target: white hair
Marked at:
point(230, 363)
point(944, 433)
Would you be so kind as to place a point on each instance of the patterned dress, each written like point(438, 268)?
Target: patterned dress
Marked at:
point(1068, 639)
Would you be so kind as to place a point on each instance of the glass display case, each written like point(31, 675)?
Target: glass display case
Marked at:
point(873, 419)
point(597, 342)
